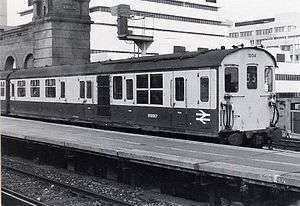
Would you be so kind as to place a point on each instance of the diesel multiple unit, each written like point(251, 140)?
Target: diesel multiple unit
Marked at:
point(226, 93)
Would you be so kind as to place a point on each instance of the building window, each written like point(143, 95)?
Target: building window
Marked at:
point(279, 29)
point(234, 35)
point(204, 89)
point(21, 91)
point(280, 57)
point(269, 79)
point(287, 77)
point(62, 89)
point(297, 57)
point(231, 79)
point(2, 88)
point(252, 77)
point(35, 88)
point(117, 87)
point(88, 89)
point(246, 33)
point(179, 89)
point(129, 89)
point(50, 89)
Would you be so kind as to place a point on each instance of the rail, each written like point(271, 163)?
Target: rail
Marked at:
point(87, 193)
point(10, 197)
point(288, 144)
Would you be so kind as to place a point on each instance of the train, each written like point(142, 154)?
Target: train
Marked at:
point(221, 93)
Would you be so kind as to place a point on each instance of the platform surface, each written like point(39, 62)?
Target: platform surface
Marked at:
point(270, 166)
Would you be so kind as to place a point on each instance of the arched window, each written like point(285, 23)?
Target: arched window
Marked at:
point(10, 63)
point(28, 63)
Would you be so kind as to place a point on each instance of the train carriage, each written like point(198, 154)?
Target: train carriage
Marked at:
point(216, 93)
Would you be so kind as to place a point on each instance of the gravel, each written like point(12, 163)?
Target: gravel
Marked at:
point(53, 194)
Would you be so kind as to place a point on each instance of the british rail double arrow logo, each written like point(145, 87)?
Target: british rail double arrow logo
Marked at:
point(202, 117)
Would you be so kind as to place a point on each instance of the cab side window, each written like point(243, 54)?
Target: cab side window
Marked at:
point(231, 79)
point(268, 79)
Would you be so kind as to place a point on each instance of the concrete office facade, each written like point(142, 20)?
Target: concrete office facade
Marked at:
point(3, 13)
point(189, 23)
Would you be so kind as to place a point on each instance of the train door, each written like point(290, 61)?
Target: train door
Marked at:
point(201, 100)
point(179, 99)
point(103, 88)
point(129, 98)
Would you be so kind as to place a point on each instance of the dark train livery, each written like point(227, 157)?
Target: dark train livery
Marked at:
point(224, 93)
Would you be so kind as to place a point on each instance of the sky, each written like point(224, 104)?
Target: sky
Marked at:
point(234, 10)
point(240, 10)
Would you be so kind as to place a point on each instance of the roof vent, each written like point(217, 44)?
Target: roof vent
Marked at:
point(222, 47)
point(201, 49)
point(178, 49)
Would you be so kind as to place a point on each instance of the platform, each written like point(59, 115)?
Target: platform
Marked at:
point(268, 166)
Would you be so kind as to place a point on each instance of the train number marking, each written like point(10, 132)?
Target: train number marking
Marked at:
point(153, 116)
point(202, 117)
point(252, 55)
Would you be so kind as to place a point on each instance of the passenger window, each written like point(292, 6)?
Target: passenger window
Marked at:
point(268, 79)
point(82, 89)
point(156, 92)
point(252, 77)
point(117, 87)
point(62, 89)
point(13, 90)
point(129, 89)
point(2, 89)
point(35, 88)
point(179, 89)
point(89, 89)
point(142, 81)
point(142, 97)
point(156, 81)
point(50, 89)
point(156, 97)
point(204, 89)
point(231, 79)
point(21, 92)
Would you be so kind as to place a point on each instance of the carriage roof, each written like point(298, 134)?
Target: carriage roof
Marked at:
point(182, 61)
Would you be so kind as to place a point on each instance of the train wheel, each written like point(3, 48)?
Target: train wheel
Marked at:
point(236, 139)
point(258, 141)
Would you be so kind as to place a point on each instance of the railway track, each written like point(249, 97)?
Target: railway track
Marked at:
point(83, 194)
point(10, 197)
point(288, 144)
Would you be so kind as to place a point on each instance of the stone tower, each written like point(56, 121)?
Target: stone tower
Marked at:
point(61, 32)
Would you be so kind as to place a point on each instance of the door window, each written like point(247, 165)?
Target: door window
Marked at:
point(117, 87)
point(204, 89)
point(179, 89)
